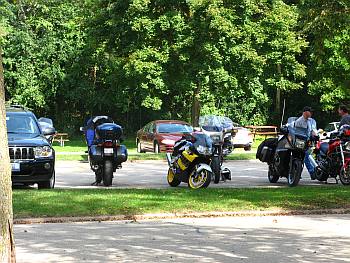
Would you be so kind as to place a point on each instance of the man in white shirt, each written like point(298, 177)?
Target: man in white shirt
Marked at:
point(305, 121)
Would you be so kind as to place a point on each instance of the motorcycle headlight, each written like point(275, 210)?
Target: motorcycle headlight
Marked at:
point(347, 146)
point(43, 151)
point(204, 150)
point(300, 144)
point(215, 138)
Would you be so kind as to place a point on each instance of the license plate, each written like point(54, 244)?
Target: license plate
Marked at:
point(16, 167)
point(108, 150)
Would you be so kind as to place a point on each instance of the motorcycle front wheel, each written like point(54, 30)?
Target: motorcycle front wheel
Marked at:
point(344, 176)
point(216, 167)
point(199, 180)
point(272, 175)
point(108, 173)
point(172, 179)
point(295, 173)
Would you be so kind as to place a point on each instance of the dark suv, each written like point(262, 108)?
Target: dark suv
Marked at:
point(32, 156)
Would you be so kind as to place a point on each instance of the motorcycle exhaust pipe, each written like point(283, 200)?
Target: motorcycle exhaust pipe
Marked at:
point(168, 158)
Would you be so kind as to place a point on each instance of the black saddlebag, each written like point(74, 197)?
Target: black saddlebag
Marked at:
point(266, 150)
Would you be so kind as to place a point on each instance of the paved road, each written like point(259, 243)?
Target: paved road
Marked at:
point(250, 239)
point(152, 174)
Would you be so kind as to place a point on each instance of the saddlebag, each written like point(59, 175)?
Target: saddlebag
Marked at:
point(266, 150)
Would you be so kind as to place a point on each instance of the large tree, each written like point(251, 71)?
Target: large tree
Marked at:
point(7, 248)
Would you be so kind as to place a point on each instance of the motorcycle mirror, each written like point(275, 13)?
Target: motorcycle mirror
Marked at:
point(82, 129)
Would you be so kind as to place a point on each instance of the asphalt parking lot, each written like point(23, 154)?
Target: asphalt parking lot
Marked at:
point(299, 239)
point(152, 174)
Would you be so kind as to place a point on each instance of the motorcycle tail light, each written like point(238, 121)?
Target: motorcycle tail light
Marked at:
point(347, 133)
point(108, 144)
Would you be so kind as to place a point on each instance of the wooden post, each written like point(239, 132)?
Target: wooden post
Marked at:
point(7, 246)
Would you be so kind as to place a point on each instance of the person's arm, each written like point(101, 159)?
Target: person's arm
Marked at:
point(314, 130)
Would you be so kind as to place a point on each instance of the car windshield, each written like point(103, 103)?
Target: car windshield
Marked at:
point(174, 128)
point(21, 124)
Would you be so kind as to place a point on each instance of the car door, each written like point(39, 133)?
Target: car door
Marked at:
point(150, 136)
point(143, 136)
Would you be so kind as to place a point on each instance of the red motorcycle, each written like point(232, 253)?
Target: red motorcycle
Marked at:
point(333, 157)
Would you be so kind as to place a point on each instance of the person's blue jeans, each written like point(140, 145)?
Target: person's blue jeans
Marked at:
point(309, 166)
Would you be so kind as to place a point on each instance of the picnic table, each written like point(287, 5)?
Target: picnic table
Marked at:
point(263, 130)
point(61, 138)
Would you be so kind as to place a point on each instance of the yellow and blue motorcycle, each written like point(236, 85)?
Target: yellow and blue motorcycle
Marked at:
point(190, 161)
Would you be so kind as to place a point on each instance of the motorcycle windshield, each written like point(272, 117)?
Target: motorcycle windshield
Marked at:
point(213, 123)
point(202, 139)
point(298, 128)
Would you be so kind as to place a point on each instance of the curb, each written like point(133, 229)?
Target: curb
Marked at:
point(163, 216)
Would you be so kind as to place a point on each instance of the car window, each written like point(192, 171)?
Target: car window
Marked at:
point(174, 128)
point(148, 128)
point(151, 128)
point(21, 124)
point(329, 128)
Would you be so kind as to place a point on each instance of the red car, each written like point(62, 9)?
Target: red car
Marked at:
point(161, 135)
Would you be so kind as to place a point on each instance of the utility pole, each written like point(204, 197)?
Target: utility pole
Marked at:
point(278, 91)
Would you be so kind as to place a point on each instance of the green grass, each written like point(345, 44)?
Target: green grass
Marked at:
point(95, 202)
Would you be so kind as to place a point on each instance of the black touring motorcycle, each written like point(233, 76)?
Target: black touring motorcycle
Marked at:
point(285, 155)
point(106, 153)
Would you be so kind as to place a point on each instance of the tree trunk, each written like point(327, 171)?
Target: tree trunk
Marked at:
point(278, 91)
point(196, 106)
point(7, 247)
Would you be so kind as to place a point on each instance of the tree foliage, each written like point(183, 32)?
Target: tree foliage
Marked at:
point(143, 59)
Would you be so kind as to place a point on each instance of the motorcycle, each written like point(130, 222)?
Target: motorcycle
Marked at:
point(333, 157)
point(105, 151)
point(190, 161)
point(220, 130)
point(285, 155)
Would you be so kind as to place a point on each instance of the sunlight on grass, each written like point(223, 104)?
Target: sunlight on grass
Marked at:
point(92, 202)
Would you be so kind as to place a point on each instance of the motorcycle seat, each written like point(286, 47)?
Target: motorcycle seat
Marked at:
point(324, 147)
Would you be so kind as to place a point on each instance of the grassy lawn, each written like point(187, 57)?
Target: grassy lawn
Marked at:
point(78, 145)
point(94, 202)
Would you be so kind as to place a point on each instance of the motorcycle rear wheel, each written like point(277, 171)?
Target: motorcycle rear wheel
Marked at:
point(108, 173)
point(294, 174)
point(172, 179)
point(201, 180)
point(344, 176)
point(321, 175)
point(272, 175)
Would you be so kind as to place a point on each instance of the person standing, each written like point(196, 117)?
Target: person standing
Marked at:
point(306, 121)
point(344, 114)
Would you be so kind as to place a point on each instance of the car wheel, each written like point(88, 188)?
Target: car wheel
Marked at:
point(156, 148)
point(50, 184)
point(139, 147)
point(248, 148)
